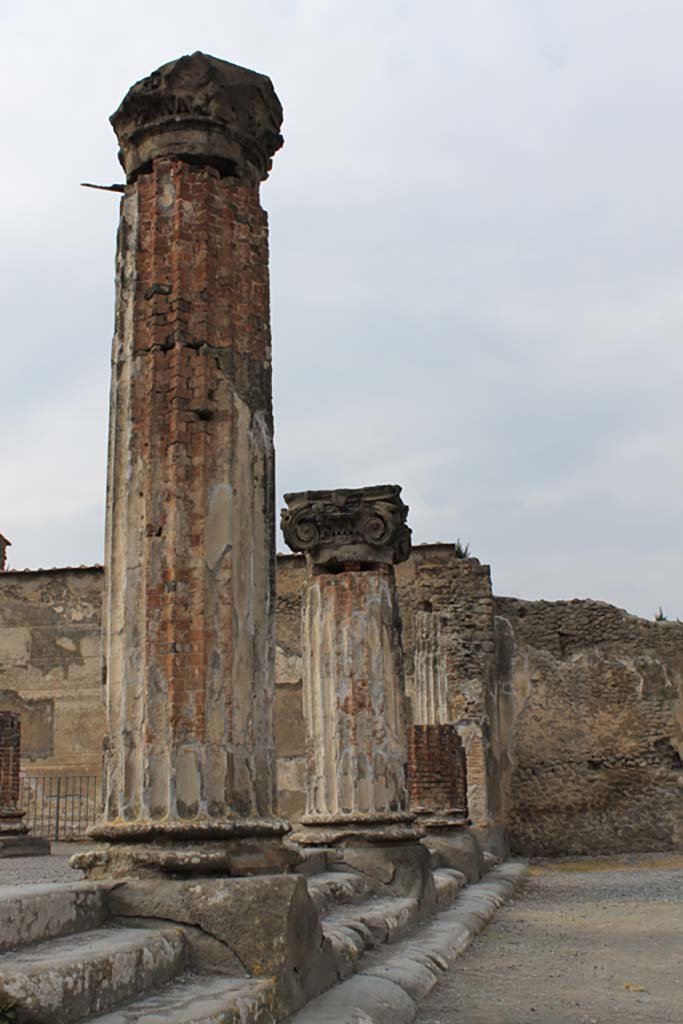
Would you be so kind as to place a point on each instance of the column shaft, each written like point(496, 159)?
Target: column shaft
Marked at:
point(188, 630)
point(354, 700)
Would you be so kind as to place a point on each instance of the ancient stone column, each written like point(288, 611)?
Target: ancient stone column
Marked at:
point(437, 776)
point(354, 695)
point(190, 547)
point(15, 840)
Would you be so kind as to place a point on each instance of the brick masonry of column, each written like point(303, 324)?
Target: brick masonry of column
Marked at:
point(352, 663)
point(437, 775)
point(10, 765)
point(189, 569)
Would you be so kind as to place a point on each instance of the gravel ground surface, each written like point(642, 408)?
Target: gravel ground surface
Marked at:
point(31, 870)
point(587, 941)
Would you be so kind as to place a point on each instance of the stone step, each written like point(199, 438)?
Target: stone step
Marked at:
point(35, 913)
point(70, 979)
point(448, 882)
point(393, 980)
point(354, 929)
point(200, 999)
point(332, 889)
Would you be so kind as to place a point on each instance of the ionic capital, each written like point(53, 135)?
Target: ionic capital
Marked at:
point(366, 525)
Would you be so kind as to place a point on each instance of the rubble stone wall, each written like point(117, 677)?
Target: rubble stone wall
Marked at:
point(591, 717)
point(50, 666)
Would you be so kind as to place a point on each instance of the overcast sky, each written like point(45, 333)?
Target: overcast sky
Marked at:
point(477, 269)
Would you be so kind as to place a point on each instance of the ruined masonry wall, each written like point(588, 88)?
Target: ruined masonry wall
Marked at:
point(446, 608)
point(592, 726)
point(589, 718)
point(51, 666)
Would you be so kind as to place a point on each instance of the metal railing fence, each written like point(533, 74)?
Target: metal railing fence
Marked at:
point(60, 806)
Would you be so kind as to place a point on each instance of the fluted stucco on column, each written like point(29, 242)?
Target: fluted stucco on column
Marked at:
point(353, 670)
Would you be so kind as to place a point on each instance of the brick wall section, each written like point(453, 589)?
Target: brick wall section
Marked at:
point(592, 712)
point(437, 774)
point(10, 760)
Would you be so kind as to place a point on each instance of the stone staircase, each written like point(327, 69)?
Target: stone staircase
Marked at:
point(65, 958)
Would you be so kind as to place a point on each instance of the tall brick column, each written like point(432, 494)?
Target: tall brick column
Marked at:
point(14, 838)
point(190, 546)
point(354, 696)
point(437, 776)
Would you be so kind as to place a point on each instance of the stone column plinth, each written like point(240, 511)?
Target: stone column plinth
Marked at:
point(15, 840)
point(437, 776)
point(190, 546)
point(354, 696)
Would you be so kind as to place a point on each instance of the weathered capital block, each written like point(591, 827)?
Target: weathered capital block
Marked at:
point(190, 545)
point(204, 111)
point(334, 528)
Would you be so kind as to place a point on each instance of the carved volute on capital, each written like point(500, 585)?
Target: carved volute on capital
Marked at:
point(203, 110)
point(366, 525)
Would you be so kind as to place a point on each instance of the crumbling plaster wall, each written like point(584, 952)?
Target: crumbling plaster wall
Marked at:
point(50, 666)
point(591, 719)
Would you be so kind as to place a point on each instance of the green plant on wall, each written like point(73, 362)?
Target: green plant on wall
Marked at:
point(461, 550)
point(660, 616)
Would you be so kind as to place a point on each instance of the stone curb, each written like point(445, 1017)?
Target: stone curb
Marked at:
point(392, 981)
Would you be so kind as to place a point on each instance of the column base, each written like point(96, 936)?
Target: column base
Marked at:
point(441, 820)
point(256, 855)
point(12, 826)
point(329, 830)
point(244, 846)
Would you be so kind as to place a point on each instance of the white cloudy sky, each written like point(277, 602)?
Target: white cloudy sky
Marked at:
point(477, 269)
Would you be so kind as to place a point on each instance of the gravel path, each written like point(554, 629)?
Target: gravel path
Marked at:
point(587, 941)
point(31, 870)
